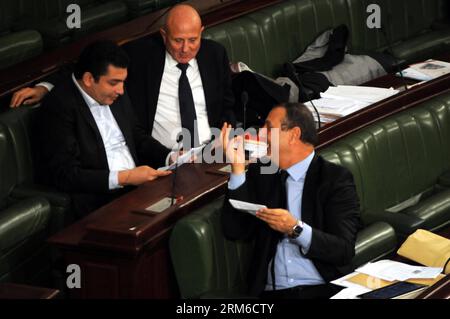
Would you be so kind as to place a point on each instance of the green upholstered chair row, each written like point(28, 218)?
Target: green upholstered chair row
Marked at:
point(16, 46)
point(401, 158)
point(49, 18)
point(401, 166)
point(29, 26)
point(28, 213)
point(140, 7)
point(272, 36)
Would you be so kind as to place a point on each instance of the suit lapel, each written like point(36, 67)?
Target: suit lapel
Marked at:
point(155, 70)
point(309, 192)
point(206, 81)
point(86, 113)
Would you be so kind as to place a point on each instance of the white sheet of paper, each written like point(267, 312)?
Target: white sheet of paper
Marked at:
point(246, 206)
point(351, 293)
point(392, 270)
point(185, 158)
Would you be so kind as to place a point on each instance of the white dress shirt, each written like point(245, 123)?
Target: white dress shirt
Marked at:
point(167, 123)
point(117, 151)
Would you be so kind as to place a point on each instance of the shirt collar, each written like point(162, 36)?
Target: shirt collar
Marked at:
point(172, 63)
point(87, 98)
point(298, 170)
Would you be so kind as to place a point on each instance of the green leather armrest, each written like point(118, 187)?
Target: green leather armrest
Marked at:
point(22, 220)
point(374, 242)
point(54, 197)
point(402, 223)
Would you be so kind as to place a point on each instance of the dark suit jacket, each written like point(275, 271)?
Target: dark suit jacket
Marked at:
point(147, 60)
point(73, 151)
point(330, 206)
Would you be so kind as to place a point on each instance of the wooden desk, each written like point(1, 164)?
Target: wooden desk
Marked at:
point(126, 255)
point(123, 254)
point(15, 291)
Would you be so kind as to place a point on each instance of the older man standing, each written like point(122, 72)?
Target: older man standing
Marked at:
point(175, 81)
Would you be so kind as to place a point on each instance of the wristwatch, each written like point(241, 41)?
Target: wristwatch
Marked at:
point(297, 229)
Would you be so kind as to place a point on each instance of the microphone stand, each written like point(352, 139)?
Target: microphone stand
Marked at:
point(174, 176)
point(301, 87)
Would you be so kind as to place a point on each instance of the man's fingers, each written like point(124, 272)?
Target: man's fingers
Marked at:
point(17, 99)
point(31, 101)
point(163, 173)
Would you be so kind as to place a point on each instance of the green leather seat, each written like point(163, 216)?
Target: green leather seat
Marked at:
point(401, 167)
point(16, 46)
point(267, 38)
point(24, 225)
point(19, 128)
point(140, 7)
point(207, 265)
point(49, 18)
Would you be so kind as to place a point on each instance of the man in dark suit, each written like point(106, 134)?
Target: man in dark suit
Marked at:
point(91, 141)
point(155, 76)
point(157, 68)
point(306, 236)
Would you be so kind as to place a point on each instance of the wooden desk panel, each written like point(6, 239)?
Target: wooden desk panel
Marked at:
point(124, 254)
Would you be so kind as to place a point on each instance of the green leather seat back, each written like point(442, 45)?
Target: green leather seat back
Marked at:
point(397, 158)
point(20, 131)
point(16, 45)
point(402, 20)
point(206, 263)
point(269, 37)
point(141, 7)
point(8, 171)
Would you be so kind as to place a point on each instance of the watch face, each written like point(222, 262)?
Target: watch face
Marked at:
point(298, 230)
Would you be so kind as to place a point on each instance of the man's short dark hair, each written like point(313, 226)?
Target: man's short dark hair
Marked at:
point(96, 58)
point(298, 115)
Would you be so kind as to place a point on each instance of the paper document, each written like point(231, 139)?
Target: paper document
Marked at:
point(185, 158)
point(344, 100)
point(396, 271)
point(351, 293)
point(427, 70)
point(245, 206)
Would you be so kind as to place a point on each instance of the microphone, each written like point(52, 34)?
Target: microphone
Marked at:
point(244, 101)
point(174, 175)
point(292, 70)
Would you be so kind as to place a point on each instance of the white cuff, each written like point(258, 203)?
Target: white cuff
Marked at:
point(114, 180)
point(47, 85)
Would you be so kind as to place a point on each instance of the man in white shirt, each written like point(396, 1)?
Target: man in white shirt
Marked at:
point(92, 145)
point(155, 74)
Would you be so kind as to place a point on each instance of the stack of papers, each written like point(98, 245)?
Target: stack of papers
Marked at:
point(343, 100)
point(395, 271)
point(426, 71)
point(383, 273)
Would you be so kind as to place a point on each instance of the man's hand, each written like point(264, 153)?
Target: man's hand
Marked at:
point(278, 219)
point(28, 96)
point(235, 156)
point(140, 175)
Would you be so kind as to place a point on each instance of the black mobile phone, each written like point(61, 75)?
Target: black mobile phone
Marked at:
point(396, 290)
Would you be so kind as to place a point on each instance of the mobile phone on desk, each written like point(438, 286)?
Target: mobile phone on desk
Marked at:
point(398, 290)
